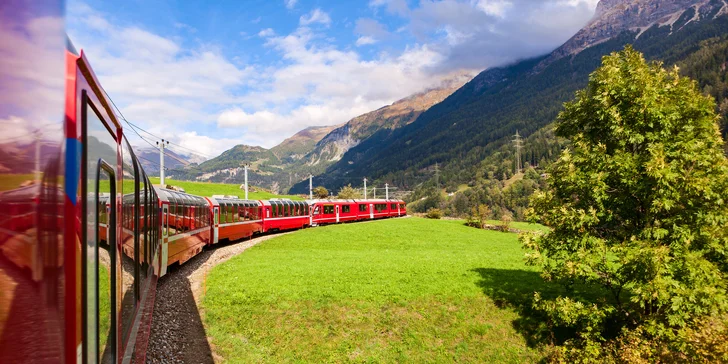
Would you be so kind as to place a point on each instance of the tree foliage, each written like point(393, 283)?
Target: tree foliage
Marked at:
point(320, 192)
point(348, 193)
point(638, 208)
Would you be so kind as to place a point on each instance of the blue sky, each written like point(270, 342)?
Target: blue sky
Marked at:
point(210, 75)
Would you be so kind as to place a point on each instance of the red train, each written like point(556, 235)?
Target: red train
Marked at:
point(84, 235)
point(189, 223)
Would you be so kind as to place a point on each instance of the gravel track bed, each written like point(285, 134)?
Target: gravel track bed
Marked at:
point(177, 334)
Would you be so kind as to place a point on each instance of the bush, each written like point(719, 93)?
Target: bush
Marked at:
point(434, 213)
point(478, 216)
point(505, 223)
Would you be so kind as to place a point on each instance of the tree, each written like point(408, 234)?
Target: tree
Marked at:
point(320, 192)
point(637, 208)
point(348, 192)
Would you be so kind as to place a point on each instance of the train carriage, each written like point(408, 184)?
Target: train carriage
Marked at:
point(185, 225)
point(235, 219)
point(283, 215)
point(336, 211)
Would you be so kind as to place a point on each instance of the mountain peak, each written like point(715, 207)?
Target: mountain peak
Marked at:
point(613, 17)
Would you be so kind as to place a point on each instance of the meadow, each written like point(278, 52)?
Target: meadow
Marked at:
point(208, 189)
point(399, 290)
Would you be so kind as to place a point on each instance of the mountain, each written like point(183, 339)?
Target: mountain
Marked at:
point(296, 147)
point(313, 149)
point(400, 113)
point(469, 134)
point(265, 166)
point(149, 159)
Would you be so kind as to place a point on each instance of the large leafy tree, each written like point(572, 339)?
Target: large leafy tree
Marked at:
point(348, 192)
point(638, 211)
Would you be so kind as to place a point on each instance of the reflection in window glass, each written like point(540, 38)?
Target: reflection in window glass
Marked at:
point(100, 144)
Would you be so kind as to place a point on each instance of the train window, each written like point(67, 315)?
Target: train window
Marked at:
point(345, 209)
point(316, 210)
point(279, 206)
point(328, 209)
point(98, 268)
point(393, 206)
point(401, 206)
point(130, 240)
point(362, 208)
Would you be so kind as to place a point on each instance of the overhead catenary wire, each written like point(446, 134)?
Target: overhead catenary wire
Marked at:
point(135, 127)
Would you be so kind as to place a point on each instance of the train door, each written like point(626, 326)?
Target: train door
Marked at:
point(310, 214)
point(371, 211)
point(216, 224)
point(337, 213)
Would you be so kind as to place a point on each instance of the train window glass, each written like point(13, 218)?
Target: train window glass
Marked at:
point(316, 210)
point(401, 206)
point(345, 209)
point(362, 208)
point(130, 240)
point(328, 209)
point(230, 212)
point(393, 206)
point(279, 206)
point(99, 266)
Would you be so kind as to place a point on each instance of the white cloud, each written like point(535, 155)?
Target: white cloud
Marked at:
point(267, 32)
point(316, 16)
point(365, 40)
point(494, 7)
point(290, 4)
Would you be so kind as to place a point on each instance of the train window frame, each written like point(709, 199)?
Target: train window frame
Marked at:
point(88, 335)
point(345, 209)
point(362, 208)
point(328, 209)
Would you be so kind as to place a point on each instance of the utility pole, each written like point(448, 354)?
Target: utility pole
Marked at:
point(246, 181)
point(386, 190)
point(310, 187)
point(375, 192)
point(161, 161)
point(518, 143)
point(365, 188)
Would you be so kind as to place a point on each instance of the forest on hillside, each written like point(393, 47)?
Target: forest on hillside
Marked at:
point(495, 183)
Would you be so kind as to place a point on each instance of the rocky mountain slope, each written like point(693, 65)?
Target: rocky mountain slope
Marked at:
point(465, 130)
point(300, 144)
point(400, 113)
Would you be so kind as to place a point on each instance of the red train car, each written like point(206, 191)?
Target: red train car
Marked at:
point(336, 211)
point(283, 215)
point(186, 226)
point(235, 219)
point(77, 278)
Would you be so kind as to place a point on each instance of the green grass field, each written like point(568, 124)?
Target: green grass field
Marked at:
point(400, 290)
point(209, 189)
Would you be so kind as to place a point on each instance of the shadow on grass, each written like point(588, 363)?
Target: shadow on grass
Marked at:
point(515, 288)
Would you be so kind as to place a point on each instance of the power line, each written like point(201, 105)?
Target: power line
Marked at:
point(134, 128)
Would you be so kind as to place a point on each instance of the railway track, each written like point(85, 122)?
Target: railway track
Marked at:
point(177, 333)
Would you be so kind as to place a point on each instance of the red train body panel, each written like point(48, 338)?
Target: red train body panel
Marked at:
point(337, 211)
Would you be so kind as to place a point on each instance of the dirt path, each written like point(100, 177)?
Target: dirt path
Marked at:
point(177, 334)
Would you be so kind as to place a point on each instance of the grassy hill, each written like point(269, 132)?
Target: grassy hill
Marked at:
point(209, 189)
point(401, 290)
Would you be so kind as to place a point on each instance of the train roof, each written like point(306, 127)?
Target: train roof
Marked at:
point(174, 196)
point(234, 201)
